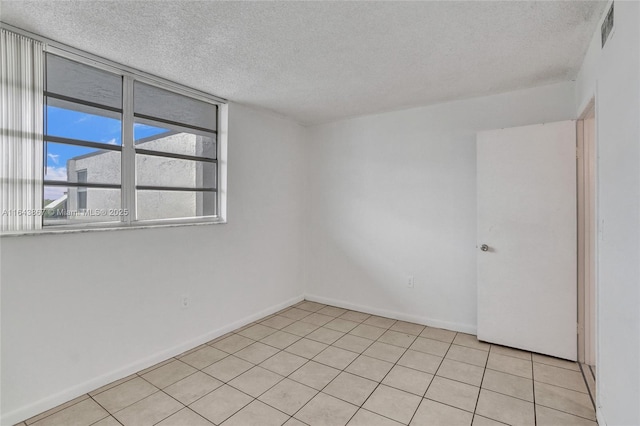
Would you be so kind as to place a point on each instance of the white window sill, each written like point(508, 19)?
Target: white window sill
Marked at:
point(62, 229)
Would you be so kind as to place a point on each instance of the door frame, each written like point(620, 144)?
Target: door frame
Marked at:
point(586, 157)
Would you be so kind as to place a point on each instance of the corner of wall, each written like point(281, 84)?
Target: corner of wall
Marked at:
point(431, 322)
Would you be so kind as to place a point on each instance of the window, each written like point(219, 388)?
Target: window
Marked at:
point(119, 149)
point(176, 165)
point(82, 191)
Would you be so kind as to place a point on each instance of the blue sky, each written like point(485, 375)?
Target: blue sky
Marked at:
point(79, 125)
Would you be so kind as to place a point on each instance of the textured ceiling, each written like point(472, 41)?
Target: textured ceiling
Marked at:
point(322, 61)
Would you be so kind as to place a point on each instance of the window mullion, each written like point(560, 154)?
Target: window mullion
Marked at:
point(128, 152)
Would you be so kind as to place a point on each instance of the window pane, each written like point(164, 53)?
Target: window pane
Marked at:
point(61, 205)
point(154, 102)
point(174, 204)
point(73, 163)
point(82, 199)
point(75, 121)
point(156, 137)
point(152, 170)
point(79, 81)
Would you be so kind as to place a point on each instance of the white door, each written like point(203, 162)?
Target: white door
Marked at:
point(527, 277)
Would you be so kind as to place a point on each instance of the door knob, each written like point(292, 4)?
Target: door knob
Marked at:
point(484, 247)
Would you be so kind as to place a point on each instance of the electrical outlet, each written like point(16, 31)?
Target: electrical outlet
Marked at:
point(185, 301)
point(410, 281)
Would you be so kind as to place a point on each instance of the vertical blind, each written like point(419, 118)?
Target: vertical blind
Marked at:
point(21, 128)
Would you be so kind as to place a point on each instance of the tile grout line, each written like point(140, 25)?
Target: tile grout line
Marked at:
point(533, 380)
point(259, 321)
point(562, 387)
point(183, 406)
point(134, 402)
point(318, 391)
point(385, 376)
point(308, 360)
point(566, 412)
point(369, 356)
point(535, 403)
point(54, 412)
point(148, 370)
point(359, 354)
point(424, 396)
point(479, 387)
point(108, 412)
point(344, 371)
point(498, 392)
point(253, 398)
point(551, 365)
point(484, 371)
point(131, 377)
point(258, 365)
point(311, 359)
point(593, 402)
point(254, 365)
point(186, 407)
point(279, 350)
point(532, 360)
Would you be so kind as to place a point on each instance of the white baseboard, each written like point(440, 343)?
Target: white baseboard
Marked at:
point(454, 326)
point(52, 401)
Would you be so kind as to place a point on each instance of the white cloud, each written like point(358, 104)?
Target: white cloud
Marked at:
point(54, 192)
point(85, 117)
point(112, 141)
point(56, 173)
point(54, 157)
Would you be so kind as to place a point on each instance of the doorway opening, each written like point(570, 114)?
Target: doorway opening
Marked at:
point(587, 229)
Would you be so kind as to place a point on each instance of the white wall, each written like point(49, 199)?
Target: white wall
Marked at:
point(80, 310)
point(395, 194)
point(612, 75)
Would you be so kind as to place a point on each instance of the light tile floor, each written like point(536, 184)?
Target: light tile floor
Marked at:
point(321, 365)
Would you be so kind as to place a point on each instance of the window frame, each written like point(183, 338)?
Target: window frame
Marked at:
point(128, 153)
